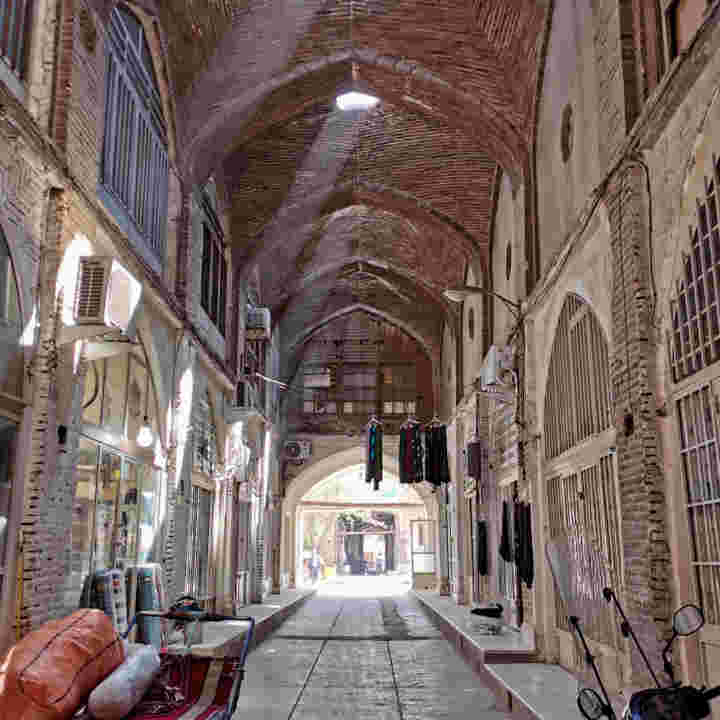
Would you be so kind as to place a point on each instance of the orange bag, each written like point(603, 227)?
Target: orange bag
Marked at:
point(49, 674)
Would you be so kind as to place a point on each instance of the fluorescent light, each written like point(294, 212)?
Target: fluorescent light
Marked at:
point(356, 101)
point(145, 436)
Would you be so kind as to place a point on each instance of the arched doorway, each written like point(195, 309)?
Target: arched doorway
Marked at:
point(329, 510)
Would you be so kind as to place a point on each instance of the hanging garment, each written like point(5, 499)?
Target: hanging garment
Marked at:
point(374, 464)
point(437, 467)
point(506, 552)
point(411, 454)
point(482, 548)
point(475, 459)
point(523, 533)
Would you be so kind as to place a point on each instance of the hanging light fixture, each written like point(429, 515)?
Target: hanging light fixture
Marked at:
point(145, 435)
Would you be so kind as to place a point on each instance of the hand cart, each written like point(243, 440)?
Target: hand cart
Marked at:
point(197, 680)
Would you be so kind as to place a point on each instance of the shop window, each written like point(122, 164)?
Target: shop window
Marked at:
point(213, 277)
point(205, 437)
point(14, 29)
point(198, 555)
point(11, 355)
point(135, 159)
point(698, 418)
point(114, 516)
point(694, 310)
point(399, 389)
point(578, 401)
point(584, 505)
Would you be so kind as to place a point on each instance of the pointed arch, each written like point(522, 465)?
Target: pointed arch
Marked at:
point(578, 397)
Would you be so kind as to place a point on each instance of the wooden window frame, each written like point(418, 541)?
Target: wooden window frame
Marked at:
point(205, 435)
point(199, 587)
point(214, 269)
point(135, 165)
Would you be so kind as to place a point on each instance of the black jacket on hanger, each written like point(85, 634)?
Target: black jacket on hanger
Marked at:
point(523, 533)
point(482, 548)
point(506, 551)
point(437, 467)
point(374, 464)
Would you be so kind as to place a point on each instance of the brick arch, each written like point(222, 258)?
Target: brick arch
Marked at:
point(394, 200)
point(304, 335)
point(490, 120)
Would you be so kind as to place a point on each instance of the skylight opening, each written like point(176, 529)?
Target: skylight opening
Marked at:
point(356, 101)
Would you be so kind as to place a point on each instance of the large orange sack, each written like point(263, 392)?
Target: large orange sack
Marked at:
point(49, 674)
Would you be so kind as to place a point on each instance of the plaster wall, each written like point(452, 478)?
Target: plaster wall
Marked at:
point(570, 79)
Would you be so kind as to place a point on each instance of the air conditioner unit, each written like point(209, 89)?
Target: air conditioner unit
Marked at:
point(105, 293)
point(496, 361)
point(298, 449)
point(257, 325)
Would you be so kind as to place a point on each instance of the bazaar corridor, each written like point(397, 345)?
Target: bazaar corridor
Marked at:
point(362, 648)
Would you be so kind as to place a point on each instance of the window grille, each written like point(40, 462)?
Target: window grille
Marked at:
point(578, 401)
point(695, 338)
point(135, 161)
point(14, 27)
point(584, 504)
point(698, 417)
point(205, 438)
point(198, 555)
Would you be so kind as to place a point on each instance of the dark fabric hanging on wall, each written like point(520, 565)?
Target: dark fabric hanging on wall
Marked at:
point(437, 467)
point(474, 458)
point(505, 549)
point(374, 463)
point(523, 532)
point(482, 548)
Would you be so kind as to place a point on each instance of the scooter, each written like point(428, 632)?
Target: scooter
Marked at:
point(675, 702)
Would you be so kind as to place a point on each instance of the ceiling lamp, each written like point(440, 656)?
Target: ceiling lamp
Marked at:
point(145, 436)
point(356, 101)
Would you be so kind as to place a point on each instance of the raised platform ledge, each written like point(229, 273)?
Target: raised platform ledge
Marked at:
point(461, 629)
point(274, 611)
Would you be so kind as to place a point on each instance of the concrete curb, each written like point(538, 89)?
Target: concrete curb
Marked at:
point(269, 624)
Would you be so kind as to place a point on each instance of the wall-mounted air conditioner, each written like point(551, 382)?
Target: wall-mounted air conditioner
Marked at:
point(298, 450)
point(257, 325)
point(497, 362)
point(106, 297)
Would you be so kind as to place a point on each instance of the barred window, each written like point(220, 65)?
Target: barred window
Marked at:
point(695, 337)
point(584, 505)
point(14, 28)
point(135, 160)
point(198, 554)
point(578, 401)
point(698, 418)
point(205, 438)
point(213, 277)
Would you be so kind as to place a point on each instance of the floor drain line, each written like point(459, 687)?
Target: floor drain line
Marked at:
point(394, 677)
point(314, 665)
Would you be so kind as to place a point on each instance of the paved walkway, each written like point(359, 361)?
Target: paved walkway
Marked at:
point(362, 649)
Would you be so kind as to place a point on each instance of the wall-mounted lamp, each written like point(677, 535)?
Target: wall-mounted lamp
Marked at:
point(145, 435)
point(459, 294)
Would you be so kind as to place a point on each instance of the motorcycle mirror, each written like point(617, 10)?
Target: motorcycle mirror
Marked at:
point(591, 704)
point(688, 620)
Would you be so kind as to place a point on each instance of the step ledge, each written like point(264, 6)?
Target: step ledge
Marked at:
point(548, 691)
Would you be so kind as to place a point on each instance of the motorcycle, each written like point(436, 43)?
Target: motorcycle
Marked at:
point(576, 570)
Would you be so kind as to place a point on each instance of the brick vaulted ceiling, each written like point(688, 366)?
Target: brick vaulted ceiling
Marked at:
point(380, 209)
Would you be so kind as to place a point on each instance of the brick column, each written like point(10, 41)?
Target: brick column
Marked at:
point(42, 562)
point(640, 477)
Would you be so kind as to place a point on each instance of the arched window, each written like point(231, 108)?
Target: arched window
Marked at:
point(581, 487)
point(695, 315)
point(578, 402)
point(694, 344)
point(135, 160)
